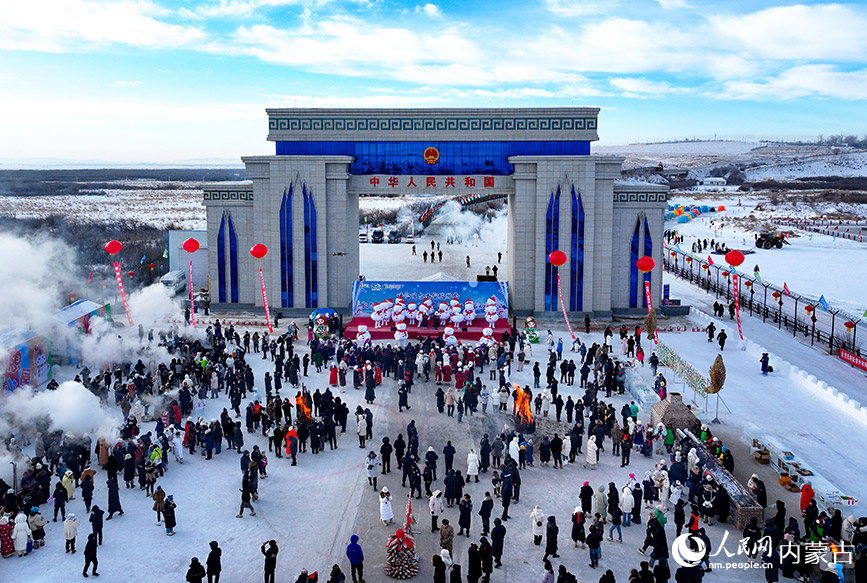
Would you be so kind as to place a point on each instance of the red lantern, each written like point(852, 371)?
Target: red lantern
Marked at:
point(776, 295)
point(704, 266)
point(130, 274)
point(748, 283)
point(673, 254)
point(151, 266)
point(191, 245)
point(734, 258)
point(689, 259)
point(808, 308)
point(113, 247)
point(557, 258)
point(258, 251)
point(645, 264)
point(725, 274)
point(849, 326)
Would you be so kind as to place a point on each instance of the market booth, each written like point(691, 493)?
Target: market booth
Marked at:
point(27, 358)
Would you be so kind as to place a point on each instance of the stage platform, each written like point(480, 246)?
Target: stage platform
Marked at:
point(467, 334)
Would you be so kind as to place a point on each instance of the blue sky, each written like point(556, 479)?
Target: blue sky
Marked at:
point(170, 80)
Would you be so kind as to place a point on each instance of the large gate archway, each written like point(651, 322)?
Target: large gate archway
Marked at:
point(302, 202)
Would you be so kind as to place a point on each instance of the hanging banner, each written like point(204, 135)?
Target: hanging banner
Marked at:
point(192, 306)
point(737, 303)
point(265, 301)
point(122, 293)
point(563, 306)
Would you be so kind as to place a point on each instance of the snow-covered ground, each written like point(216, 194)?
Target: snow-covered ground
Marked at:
point(812, 265)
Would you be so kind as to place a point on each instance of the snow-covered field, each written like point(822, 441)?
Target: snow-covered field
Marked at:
point(812, 265)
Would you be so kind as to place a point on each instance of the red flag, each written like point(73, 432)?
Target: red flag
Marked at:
point(709, 260)
point(786, 289)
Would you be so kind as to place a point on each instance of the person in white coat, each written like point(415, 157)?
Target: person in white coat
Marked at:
point(436, 508)
point(514, 448)
point(446, 557)
point(21, 534)
point(600, 501)
point(386, 514)
point(590, 455)
point(178, 447)
point(70, 531)
point(546, 402)
point(627, 503)
point(676, 494)
point(472, 465)
point(663, 485)
point(537, 521)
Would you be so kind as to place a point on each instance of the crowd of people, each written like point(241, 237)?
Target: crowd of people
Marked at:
point(161, 401)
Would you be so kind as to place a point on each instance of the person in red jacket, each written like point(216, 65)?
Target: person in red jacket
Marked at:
point(807, 494)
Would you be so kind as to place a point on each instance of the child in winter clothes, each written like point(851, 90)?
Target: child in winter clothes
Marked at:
point(36, 523)
point(70, 531)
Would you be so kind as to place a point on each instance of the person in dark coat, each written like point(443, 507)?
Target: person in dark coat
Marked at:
point(498, 538)
point(87, 491)
point(485, 512)
point(270, 559)
point(451, 488)
point(90, 556)
point(214, 562)
point(771, 560)
point(474, 564)
point(169, 515)
point(484, 454)
point(96, 522)
point(466, 508)
point(60, 499)
point(196, 572)
point(487, 557)
point(551, 533)
point(356, 559)
point(439, 569)
point(113, 498)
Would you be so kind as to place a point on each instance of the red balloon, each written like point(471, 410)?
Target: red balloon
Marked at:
point(557, 258)
point(113, 247)
point(258, 251)
point(734, 257)
point(645, 264)
point(191, 245)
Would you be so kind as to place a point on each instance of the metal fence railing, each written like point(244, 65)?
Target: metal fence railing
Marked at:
point(852, 230)
point(765, 300)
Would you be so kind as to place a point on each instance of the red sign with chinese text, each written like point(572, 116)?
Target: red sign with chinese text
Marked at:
point(853, 359)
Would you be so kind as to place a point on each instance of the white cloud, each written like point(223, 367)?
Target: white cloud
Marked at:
point(60, 25)
point(829, 31)
point(429, 9)
point(672, 4)
point(576, 8)
point(366, 101)
point(638, 87)
point(803, 81)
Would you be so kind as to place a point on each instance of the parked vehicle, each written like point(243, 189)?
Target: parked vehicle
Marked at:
point(378, 236)
point(394, 237)
point(362, 237)
point(409, 239)
point(768, 240)
point(175, 282)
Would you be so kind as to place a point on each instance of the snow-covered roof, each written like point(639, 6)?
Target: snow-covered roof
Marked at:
point(11, 337)
point(76, 310)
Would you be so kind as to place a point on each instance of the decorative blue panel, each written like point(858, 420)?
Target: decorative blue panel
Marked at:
point(233, 260)
point(221, 259)
point(648, 251)
point(454, 157)
point(552, 242)
point(287, 295)
point(633, 268)
point(576, 266)
point(311, 278)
